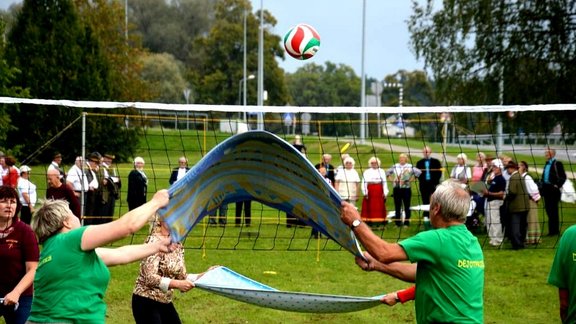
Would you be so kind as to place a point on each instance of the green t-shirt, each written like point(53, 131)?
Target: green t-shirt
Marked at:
point(449, 277)
point(69, 285)
point(563, 271)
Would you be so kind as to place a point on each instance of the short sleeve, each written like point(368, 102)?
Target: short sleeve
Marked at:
point(421, 247)
point(30, 244)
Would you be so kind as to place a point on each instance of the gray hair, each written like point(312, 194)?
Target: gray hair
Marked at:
point(453, 199)
point(49, 218)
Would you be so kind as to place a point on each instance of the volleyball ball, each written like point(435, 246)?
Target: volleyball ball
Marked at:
point(302, 42)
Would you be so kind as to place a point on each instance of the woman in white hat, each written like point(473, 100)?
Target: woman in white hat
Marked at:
point(27, 194)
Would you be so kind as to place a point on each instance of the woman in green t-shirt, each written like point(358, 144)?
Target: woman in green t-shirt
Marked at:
point(73, 274)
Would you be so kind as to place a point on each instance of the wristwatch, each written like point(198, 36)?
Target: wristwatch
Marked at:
point(355, 224)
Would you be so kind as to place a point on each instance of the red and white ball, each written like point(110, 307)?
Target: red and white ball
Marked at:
point(302, 42)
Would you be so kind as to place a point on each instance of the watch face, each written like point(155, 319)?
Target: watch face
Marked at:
point(356, 223)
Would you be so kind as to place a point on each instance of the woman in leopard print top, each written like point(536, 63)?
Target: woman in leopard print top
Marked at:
point(160, 274)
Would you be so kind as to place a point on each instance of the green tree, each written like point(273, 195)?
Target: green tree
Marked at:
point(329, 85)
point(170, 26)
point(217, 64)
point(165, 74)
point(7, 75)
point(106, 20)
point(417, 91)
point(470, 46)
point(59, 58)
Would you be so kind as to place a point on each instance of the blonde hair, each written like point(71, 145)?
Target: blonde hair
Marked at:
point(462, 156)
point(49, 218)
point(374, 159)
point(349, 159)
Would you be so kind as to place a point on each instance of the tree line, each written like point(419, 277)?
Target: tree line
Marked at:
point(84, 50)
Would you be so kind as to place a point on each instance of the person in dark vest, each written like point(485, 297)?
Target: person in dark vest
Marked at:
point(94, 193)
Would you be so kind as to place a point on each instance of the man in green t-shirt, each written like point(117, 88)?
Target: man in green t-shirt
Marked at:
point(563, 274)
point(448, 260)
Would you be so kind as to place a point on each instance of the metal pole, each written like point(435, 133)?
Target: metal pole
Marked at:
point(363, 82)
point(444, 144)
point(261, 67)
point(400, 95)
point(244, 68)
point(499, 132)
point(83, 161)
point(187, 97)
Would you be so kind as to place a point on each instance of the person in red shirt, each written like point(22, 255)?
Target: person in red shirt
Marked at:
point(10, 177)
point(19, 256)
point(57, 190)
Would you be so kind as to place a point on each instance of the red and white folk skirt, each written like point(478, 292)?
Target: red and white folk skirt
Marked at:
point(374, 205)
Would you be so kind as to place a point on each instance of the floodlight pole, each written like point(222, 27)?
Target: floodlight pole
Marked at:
point(363, 78)
point(244, 69)
point(261, 68)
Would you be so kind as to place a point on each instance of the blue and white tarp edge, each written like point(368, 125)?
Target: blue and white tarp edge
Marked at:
point(225, 282)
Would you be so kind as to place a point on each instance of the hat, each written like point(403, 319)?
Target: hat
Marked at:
point(109, 156)
point(94, 157)
point(498, 163)
point(25, 168)
point(512, 164)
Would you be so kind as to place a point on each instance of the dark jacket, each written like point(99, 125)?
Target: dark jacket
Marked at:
point(137, 189)
point(435, 171)
point(174, 175)
point(557, 175)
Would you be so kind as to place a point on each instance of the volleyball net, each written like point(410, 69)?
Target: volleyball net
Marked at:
point(168, 132)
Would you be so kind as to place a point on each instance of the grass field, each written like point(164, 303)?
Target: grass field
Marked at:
point(515, 284)
point(515, 288)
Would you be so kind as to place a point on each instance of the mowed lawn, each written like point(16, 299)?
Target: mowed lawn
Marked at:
point(287, 259)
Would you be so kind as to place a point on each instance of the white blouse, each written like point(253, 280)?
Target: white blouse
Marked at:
point(372, 176)
point(347, 178)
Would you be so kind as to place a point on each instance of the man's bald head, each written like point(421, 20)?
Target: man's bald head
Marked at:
point(53, 177)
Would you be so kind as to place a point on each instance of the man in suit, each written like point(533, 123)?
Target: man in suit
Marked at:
point(553, 179)
point(179, 172)
point(326, 163)
point(430, 177)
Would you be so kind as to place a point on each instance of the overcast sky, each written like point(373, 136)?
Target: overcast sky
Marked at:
point(339, 23)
